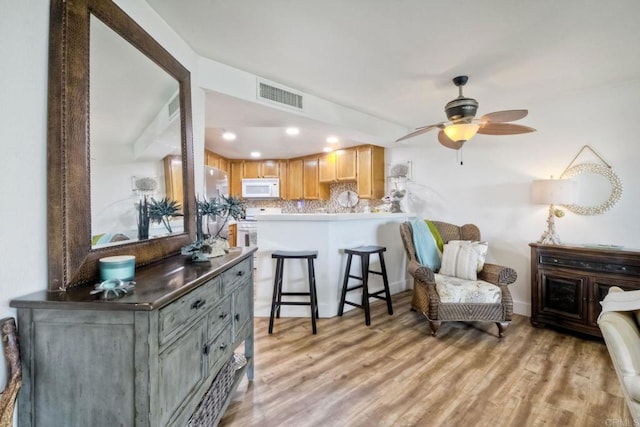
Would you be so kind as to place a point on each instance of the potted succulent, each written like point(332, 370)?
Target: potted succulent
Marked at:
point(220, 210)
point(162, 211)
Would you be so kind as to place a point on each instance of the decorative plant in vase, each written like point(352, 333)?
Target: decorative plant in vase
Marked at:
point(162, 211)
point(143, 219)
point(220, 209)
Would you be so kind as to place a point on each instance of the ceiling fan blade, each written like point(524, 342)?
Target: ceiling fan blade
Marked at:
point(504, 116)
point(503, 129)
point(448, 142)
point(417, 132)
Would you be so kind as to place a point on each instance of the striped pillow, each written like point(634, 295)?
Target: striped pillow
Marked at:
point(463, 259)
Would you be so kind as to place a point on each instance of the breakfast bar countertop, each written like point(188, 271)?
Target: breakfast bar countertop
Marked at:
point(356, 216)
point(329, 234)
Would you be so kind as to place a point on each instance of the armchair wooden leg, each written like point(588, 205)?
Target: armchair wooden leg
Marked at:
point(502, 327)
point(435, 325)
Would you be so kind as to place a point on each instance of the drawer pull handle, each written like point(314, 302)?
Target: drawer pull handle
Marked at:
point(198, 304)
point(222, 315)
point(205, 349)
point(240, 273)
point(237, 317)
point(223, 346)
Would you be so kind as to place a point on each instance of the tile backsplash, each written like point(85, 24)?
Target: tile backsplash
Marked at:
point(315, 206)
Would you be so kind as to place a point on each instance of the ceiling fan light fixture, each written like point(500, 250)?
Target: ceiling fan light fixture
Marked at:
point(461, 132)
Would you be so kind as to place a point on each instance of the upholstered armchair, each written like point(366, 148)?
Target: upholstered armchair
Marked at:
point(428, 301)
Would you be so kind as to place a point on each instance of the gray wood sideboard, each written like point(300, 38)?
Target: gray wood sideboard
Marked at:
point(146, 359)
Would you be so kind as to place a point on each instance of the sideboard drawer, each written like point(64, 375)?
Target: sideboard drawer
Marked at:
point(589, 265)
point(219, 317)
point(236, 275)
point(182, 312)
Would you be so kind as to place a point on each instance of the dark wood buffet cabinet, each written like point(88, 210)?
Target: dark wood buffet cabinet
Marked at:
point(568, 283)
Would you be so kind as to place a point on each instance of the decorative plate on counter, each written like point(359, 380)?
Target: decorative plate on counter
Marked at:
point(348, 199)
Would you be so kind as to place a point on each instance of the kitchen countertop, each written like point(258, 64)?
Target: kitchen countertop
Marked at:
point(333, 216)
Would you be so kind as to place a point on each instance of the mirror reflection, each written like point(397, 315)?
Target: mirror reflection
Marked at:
point(135, 139)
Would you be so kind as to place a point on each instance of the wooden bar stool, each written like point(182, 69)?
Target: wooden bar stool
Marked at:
point(276, 301)
point(364, 252)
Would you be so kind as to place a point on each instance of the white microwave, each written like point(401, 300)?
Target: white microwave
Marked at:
point(260, 188)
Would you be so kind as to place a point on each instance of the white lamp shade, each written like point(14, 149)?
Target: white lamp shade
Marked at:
point(461, 132)
point(552, 191)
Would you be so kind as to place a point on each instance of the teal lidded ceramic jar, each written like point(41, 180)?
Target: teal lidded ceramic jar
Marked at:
point(117, 267)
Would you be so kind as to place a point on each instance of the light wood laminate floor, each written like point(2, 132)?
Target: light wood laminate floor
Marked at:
point(394, 373)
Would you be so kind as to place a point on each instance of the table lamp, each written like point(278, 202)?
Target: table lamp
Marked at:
point(552, 192)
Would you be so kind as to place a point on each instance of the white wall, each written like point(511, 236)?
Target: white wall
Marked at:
point(492, 188)
point(24, 31)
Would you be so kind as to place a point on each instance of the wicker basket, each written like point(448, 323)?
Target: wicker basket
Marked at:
point(208, 410)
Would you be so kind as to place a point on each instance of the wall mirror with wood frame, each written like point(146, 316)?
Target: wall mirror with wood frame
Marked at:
point(112, 140)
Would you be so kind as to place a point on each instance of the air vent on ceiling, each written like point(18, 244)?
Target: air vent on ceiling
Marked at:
point(269, 92)
point(174, 106)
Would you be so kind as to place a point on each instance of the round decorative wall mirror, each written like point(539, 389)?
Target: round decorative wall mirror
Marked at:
point(598, 188)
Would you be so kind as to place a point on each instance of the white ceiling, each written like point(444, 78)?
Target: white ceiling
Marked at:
point(395, 59)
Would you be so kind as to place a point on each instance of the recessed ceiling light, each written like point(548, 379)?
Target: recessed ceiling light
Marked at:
point(255, 154)
point(292, 131)
point(229, 136)
point(332, 139)
point(327, 149)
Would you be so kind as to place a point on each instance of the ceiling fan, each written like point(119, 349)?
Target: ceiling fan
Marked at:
point(462, 124)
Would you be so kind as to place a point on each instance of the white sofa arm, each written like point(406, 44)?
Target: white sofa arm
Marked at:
point(632, 384)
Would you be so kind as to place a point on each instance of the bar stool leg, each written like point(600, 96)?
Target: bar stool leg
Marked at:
point(365, 288)
point(345, 282)
point(280, 267)
point(385, 280)
point(277, 284)
point(312, 294)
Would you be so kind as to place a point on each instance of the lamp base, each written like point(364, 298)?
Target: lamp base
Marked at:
point(550, 237)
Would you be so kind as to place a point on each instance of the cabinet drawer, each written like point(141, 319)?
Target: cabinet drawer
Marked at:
point(219, 317)
point(219, 351)
point(589, 265)
point(236, 275)
point(179, 314)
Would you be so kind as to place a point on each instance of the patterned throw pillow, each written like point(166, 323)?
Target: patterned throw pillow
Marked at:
point(463, 259)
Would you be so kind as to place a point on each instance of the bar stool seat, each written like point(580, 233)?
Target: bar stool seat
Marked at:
point(365, 252)
point(277, 302)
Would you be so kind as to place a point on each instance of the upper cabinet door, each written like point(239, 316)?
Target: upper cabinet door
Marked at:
point(327, 167)
point(296, 175)
point(270, 169)
point(346, 165)
point(251, 169)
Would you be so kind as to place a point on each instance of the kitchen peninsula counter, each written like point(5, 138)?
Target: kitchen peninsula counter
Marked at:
point(329, 234)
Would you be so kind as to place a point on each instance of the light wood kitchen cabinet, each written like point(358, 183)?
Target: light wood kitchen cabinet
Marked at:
point(310, 181)
point(295, 190)
point(261, 169)
point(215, 160)
point(370, 170)
point(284, 179)
point(146, 359)
point(232, 236)
point(173, 179)
point(235, 177)
point(338, 166)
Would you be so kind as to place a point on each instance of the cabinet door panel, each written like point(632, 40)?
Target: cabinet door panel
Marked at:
point(327, 167)
point(181, 371)
point(251, 170)
point(296, 177)
point(270, 169)
point(75, 365)
point(346, 165)
point(242, 310)
point(563, 294)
